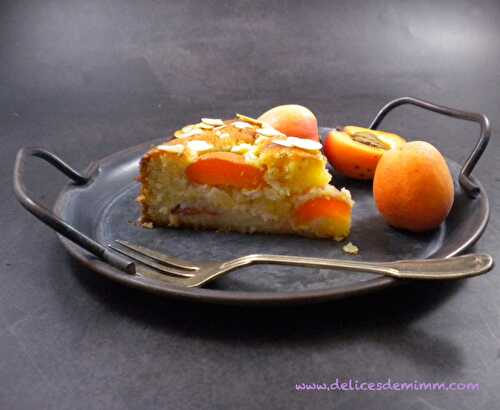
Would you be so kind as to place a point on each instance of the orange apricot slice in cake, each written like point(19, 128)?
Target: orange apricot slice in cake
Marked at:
point(242, 175)
point(355, 151)
point(225, 169)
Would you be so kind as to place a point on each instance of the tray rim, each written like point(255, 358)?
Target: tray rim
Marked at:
point(235, 297)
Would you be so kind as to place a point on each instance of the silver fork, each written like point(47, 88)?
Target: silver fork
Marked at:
point(156, 265)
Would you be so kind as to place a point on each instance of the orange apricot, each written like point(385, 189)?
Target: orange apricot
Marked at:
point(225, 169)
point(355, 151)
point(292, 120)
point(413, 187)
point(323, 207)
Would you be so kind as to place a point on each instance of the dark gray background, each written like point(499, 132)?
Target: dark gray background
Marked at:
point(88, 78)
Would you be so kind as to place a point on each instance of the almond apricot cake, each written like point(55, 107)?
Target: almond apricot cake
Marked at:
point(242, 175)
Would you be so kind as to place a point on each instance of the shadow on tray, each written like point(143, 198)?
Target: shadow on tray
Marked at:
point(386, 317)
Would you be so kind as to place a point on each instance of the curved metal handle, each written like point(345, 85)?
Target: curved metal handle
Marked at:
point(465, 178)
point(49, 218)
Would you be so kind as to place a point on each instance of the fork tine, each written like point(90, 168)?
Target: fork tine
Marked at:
point(151, 263)
point(158, 256)
point(143, 270)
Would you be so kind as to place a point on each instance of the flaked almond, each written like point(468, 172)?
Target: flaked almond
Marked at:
point(250, 120)
point(304, 143)
point(269, 132)
point(214, 122)
point(186, 134)
point(241, 124)
point(350, 248)
point(204, 126)
point(218, 131)
point(199, 146)
point(224, 135)
point(187, 128)
point(175, 148)
point(241, 148)
point(283, 143)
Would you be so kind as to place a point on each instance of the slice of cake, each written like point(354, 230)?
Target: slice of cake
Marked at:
point(242, 175)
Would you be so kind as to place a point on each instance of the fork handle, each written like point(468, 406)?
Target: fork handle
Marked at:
point(447, 268)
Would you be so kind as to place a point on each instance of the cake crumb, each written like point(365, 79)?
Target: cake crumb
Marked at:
point(147, 225)
point(350, 248)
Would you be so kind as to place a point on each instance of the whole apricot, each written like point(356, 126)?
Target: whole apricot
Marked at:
point(292, 120)
point(413, 187)
point(355, 151)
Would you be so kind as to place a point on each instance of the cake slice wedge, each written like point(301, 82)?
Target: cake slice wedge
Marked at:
point(242, 175)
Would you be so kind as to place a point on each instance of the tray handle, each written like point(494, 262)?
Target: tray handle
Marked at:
point(465, 179)
point(49, 218)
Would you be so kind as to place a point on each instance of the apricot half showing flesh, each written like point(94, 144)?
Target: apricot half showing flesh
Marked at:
point(413, 187)
point(355, 151)
point(292, 120)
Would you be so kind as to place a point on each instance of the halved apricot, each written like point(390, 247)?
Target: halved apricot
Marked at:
point(225, 169)
point(323, 207)
point(292, 120)
point(355, 151)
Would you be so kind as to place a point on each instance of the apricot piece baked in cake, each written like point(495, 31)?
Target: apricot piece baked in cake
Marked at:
point(242, 175)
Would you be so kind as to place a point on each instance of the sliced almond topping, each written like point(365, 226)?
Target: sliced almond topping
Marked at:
point(176, 148)
point(187, 128)
point(269, 132)
point(283, 143)
point(204, 126)
point(214, 122)
point(305, 143)
point(218, 131)
point(241, 148)
point(187, 134)
point(249, 120)
point(241, 124)
point(224, 135)
point(199, 146)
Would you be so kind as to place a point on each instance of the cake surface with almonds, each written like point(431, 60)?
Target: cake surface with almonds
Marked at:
point(242, 175)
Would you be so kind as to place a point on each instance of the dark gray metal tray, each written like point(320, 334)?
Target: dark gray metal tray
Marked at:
point(99, 206)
